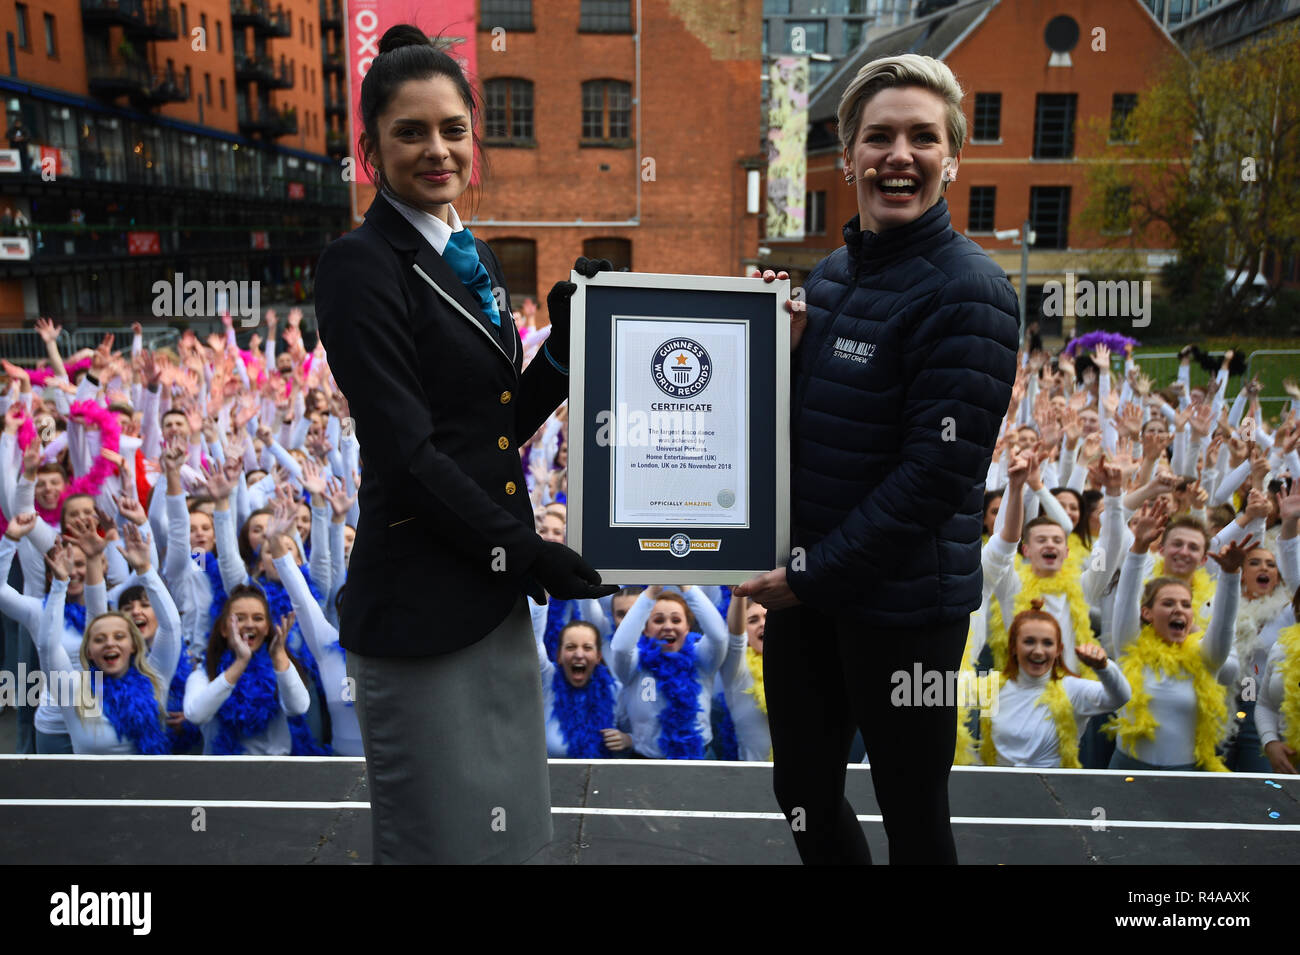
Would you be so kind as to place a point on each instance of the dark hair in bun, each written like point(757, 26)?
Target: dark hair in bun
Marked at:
point(406, 53)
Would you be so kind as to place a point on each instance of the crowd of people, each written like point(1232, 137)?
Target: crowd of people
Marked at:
point(182, 521)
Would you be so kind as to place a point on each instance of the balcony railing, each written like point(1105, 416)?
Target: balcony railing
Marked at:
point(281, 79)
point(148, 18)
point(332, 62)
point(268, 121)
point(249, 13)
point(167, 87)
point(281, 23)
point(114, 76)
point(331, 14)
point(253, 68)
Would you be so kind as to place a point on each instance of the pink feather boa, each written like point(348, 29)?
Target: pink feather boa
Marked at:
point(110, 436)
point(40, 376)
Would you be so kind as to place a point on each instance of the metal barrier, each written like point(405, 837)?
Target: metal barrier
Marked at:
point(23, 346)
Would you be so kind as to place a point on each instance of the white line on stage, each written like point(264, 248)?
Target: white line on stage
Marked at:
point(1100, 825)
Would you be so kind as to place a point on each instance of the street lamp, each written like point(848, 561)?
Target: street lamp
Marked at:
point(1014, 235)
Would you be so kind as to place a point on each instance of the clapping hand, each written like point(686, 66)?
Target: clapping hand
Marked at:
point(279, 648)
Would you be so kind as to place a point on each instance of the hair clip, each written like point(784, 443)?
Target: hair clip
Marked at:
point(949, 174)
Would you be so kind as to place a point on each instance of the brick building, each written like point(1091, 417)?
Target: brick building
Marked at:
point(1028, 112)
point(186, 137)
point(621, 130)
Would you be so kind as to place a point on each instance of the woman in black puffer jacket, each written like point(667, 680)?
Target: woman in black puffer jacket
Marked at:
point(902, 375)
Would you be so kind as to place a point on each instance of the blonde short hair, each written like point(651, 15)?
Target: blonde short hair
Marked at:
point(907, 69)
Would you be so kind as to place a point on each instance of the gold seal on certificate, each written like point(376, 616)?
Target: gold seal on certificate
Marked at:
point(681, 451)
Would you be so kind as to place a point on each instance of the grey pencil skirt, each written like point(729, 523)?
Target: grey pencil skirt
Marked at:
point(456, 750)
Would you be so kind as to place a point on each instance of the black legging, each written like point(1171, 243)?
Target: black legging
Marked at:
point(826, 678)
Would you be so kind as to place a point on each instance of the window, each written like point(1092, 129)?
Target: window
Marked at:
point(219, 40)
point(776, 7)
point(511, 14)
point(814, 204)
point(51, 48)
point(818, 70)
point(1054, 126)
point(508, 111)
point(988, 117)
point(185, 20)
point(1121, 108)
point(189, 80)
point(1049, 216)
point(766, 24)
point(1117, 210)
point(24, 41)
point(221, 86)
point(853, 30)
point(203, 25)
point(207, 88)
point(618, 251)
point(983, 200)
point(518, 259)
point(805, 36)
point(606, 16)
point(606, 110)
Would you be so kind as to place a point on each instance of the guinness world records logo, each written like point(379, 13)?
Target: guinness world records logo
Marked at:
point(681, 368)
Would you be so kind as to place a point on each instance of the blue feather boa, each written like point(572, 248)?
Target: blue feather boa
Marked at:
point(132, 709)
point(724, 729)
point(583, 712)
point(679, 688)
point(724, 601)
point(251, 705)
point(188, 737)
point(304, 743)
point(557, 615)
point(212, 568)
point(74, 615)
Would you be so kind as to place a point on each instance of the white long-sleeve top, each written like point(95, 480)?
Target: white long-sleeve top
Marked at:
point(1272, 694)
point(93, 733)
point(204, 697)
point(1173, 699)
point(29, 611)
point(323, 639)
point(186, 579)
point(753, 738)
point(643, 704)
point(1023, 731)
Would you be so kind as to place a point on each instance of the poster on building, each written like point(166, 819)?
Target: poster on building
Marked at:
point(787, 140)
point(453, 22)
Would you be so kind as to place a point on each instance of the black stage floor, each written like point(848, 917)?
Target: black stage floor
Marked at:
point(134, 810)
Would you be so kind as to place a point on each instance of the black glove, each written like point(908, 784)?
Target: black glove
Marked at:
point(558, 302)
point(566, 575)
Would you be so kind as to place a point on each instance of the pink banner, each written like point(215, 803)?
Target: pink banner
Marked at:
point(365, 22)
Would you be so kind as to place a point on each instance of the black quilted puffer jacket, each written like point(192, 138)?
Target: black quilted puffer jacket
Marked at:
point(900, 384)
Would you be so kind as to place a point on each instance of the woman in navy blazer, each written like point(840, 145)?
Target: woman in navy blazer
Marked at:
point(434, 621)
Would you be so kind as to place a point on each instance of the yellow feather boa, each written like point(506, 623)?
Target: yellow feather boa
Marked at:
point(1289, 637)
point(758, 691)
point(1134, 720)
point(965, 752)
point(1061, 711)
point(1033, 587)
point(1202, 591)
point(1075, 556)
point(755, 663)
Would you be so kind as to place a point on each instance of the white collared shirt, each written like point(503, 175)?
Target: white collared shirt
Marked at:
point(436, 232)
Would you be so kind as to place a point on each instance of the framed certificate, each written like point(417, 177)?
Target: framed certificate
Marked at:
point(679, 455)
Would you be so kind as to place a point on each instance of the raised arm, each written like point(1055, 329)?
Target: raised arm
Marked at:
point(1127, 621)
point(1223, 611)
point(712, 649)
point(623, 647)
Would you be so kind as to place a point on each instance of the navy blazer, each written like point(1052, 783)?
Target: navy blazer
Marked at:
point(446, 532)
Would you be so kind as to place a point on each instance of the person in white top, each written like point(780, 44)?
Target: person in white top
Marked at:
point(741, 677)
point(128, 716)
point(1041, 706)
point(249, 685)
point(667, 671)
point(583, 700)
point(1178, 714)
